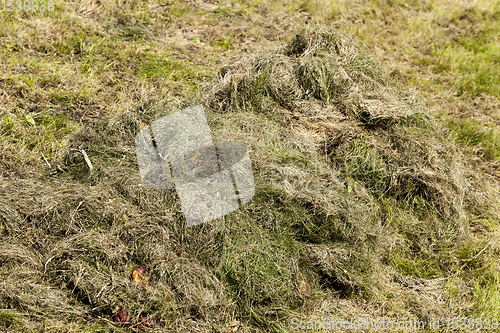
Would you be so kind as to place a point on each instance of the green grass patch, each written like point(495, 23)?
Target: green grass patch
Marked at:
point(156, 66)
point(416, 264)
point(8, 319)
point(484, 141)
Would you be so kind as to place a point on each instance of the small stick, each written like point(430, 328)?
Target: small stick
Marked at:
point(85, 156)
point(87, 159)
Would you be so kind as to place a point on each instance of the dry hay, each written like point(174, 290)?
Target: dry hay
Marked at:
point(348, 167)
point(325, 88)
point(383, 173)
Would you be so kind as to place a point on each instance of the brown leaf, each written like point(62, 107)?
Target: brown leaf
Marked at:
point(139, 275)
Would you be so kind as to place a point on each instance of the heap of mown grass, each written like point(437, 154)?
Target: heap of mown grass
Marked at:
point(354, 182)
point(377, 179)
point(379, 135)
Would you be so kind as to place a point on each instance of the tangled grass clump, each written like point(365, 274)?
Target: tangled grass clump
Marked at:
point(323, 85)
point(376, 171)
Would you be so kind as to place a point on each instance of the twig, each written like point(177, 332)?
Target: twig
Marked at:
point(85, 156)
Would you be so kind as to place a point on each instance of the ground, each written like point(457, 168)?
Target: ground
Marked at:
point(372, 127)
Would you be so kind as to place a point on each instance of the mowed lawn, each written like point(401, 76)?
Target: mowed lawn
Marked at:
point(372, 127)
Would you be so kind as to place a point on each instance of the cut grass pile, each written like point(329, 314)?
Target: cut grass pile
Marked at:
point(379, 135)
point(364, 203)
